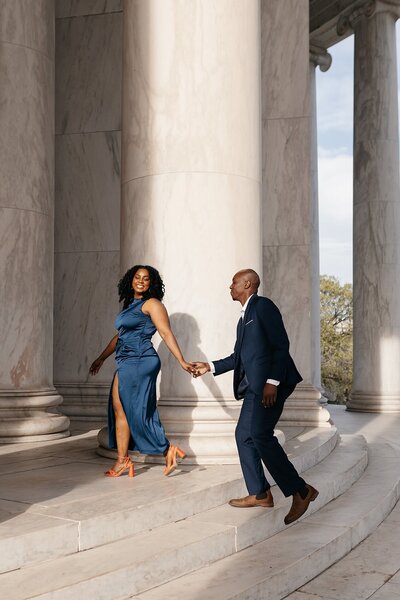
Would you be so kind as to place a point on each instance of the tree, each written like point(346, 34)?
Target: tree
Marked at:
point(336, 338)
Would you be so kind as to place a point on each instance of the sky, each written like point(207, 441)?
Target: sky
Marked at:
point(335, 160)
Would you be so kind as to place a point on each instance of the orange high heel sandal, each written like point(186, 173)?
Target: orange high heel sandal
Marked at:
point(126, 466)
point(173, 452)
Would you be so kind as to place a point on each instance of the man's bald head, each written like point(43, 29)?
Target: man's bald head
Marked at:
point(244, 284)
point(252, 277)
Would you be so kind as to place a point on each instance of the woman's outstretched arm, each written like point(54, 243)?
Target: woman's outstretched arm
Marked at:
point(108, 350)
point(158, 314)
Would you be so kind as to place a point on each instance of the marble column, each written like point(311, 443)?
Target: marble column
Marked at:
point(376, 223)
point(28, 400)
point(290, 217)
point(319, 57)
point(191, 191)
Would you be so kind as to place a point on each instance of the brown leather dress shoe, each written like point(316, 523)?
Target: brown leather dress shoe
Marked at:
point(250, 501)
point(300, 505)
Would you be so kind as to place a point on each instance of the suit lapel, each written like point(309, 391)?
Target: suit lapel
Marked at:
point(252, 300)
point(242, 322)
point(240, 330)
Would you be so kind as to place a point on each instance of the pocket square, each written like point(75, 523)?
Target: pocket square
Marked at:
point(248, 322)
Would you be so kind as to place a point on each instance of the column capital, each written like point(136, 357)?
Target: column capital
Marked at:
point(320, 57)
point(366, 8)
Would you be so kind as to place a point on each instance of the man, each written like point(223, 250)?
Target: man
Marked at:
point(264, 376)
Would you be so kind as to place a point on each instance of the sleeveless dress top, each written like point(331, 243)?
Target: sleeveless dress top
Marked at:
point(138, 365)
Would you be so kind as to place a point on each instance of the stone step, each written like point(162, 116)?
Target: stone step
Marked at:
point(130, 506)
point(272, 569)
point(371, 571)
point(337, 473)
point(152, 558)
point(106, 510)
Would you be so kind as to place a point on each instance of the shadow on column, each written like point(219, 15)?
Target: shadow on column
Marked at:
point(186, 416)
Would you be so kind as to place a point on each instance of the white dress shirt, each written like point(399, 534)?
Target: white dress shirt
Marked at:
point(243, 310)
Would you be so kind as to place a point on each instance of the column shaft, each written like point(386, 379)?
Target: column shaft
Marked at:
point(376, 382)
point(319, 57)
point(28, 400)
point(191, 190)
point(314, 243)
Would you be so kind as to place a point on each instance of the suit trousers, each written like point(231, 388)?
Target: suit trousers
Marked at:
point(257, 444)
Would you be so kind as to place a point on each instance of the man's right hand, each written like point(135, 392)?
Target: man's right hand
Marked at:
point(200, 368)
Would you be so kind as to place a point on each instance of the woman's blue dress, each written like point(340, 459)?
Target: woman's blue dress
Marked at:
point(138, 365)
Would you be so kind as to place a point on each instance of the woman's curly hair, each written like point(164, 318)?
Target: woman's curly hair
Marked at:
point(126, 293)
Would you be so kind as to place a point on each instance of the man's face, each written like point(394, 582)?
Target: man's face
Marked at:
point(238, 287)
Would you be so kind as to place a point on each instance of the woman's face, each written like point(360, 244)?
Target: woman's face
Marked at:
point(140, 282)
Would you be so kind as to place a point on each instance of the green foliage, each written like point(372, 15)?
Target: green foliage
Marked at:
point(336, 338)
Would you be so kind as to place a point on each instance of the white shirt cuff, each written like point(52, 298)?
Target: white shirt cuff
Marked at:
point(212, 370)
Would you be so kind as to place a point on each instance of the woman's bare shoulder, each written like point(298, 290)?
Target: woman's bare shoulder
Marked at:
point(152, 304)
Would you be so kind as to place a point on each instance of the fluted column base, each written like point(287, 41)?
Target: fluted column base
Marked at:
point(85, 402)
point(31, 416)
point(303, 408)
point(374, 403)
point(204, 429)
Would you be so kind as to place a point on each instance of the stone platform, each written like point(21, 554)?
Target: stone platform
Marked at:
point(68, 532)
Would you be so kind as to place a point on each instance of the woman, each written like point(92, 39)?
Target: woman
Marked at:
point(133, 419)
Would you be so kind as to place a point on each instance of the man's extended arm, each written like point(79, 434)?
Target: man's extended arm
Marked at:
point(217, 367)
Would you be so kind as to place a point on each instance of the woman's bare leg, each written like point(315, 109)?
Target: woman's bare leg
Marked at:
point(122, 431)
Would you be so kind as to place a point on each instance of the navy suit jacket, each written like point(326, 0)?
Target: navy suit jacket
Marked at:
point(261, 349)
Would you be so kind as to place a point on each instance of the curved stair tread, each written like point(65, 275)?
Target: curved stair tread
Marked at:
point(122, 508)
point(370, 571)
point(280, 565)
point(151, 558)
point(336, 474)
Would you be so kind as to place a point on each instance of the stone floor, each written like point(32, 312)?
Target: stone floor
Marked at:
point(372, 570)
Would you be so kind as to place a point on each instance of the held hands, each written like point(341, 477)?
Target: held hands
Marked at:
point(199, 368)
point(188, 367)
point(269, 395)
point(96, 366)
point(196, 369)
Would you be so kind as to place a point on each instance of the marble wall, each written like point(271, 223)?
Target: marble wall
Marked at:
point(287, 188)
point(88, 124)
point(83, 8)
point(290, 223)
